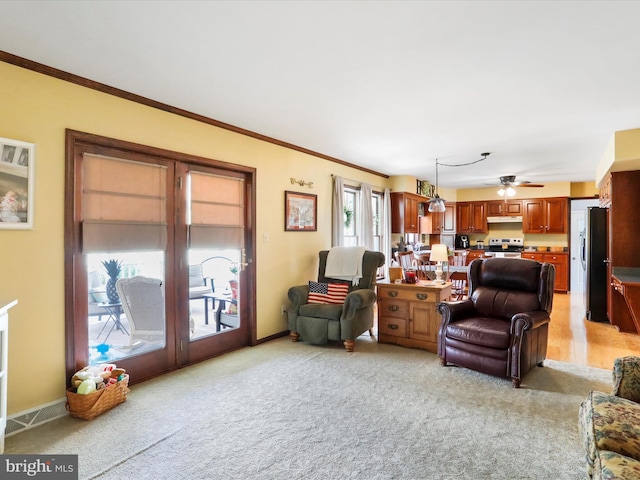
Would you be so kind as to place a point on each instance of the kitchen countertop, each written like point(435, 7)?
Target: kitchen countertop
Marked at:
point(626, 274)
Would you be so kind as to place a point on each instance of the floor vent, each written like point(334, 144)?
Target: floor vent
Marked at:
point(33, 418)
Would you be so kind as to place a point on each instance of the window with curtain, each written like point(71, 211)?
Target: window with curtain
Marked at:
point(353, 218)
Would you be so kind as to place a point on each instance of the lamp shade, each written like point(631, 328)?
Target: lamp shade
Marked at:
point(439, 253)
point(436, 204)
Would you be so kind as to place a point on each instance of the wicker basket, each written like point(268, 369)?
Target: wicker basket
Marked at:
point(91, 405)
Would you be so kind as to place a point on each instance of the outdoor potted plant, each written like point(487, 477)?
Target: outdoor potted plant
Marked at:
point(233, 283)
point(113, 268)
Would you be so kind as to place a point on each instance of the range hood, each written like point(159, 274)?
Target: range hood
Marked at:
point(505, 219)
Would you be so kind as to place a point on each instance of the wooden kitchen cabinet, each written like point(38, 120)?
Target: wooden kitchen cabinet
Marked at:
point(623, 254)
point(404, 212)
point(500, 208)
point(545, 215)
point(437, 223)
point(408, 314)
point(473, 254)
point(560, 261)
point(471, 217)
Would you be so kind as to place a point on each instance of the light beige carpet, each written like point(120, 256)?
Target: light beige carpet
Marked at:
point(291, 411)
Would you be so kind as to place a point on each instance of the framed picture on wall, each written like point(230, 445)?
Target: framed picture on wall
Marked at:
point(300, 212)
point(17, 167)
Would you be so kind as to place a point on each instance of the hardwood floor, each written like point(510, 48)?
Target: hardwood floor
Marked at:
point(573, 339)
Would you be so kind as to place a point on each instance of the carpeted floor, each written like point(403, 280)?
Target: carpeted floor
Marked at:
point(293, 411)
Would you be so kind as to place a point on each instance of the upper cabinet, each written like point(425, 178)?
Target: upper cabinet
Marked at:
point(502, 208)
point(471, 217)
point(404, 212)
point(439, 223)
point(545, 215)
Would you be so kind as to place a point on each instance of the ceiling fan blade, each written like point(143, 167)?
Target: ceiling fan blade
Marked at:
point(532, 185)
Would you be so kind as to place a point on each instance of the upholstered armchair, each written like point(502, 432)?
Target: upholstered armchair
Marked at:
point(317, 323)
point(502, 327)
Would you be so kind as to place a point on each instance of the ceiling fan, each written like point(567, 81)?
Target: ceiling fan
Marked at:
point(507, 183)
point(510, 181)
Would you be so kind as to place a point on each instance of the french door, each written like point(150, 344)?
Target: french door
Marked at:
point(183, 224)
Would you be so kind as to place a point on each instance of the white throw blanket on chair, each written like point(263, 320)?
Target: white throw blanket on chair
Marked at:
point(345, 263)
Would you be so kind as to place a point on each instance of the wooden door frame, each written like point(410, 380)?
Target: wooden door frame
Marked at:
point(75, 143)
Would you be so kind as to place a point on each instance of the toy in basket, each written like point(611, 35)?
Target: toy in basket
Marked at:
point(96, 389)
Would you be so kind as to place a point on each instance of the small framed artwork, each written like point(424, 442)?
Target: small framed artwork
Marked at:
point(300, 212)
point(17, 167)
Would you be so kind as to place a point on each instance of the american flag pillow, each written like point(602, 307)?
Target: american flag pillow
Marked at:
point(333, 293)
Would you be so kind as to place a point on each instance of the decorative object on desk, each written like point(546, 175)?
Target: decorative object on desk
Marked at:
point(17, 168)
point(113, 268)
point(439, 254)
point(410, 277)
point(300, 212)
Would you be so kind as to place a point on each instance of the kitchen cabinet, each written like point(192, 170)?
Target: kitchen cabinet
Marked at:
point(473, 254)
point(501, 208)
point(625, 292)
point(436, 223)
point(471, 217)
point(545, 215)
point(560, 261)
point(404, 212)
point(622, 247)
point(408, 313)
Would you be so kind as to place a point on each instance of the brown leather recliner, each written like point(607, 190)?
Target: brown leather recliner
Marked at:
point(502, 328)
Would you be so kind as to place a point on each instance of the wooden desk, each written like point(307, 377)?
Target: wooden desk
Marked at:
point(408, 314)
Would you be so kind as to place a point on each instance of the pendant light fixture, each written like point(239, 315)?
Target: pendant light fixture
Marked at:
point(436, 204)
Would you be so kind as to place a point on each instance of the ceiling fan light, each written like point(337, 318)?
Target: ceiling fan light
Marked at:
point(501, 192)
point(510, 191)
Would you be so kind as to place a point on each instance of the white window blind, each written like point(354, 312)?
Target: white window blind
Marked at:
point(124, 205)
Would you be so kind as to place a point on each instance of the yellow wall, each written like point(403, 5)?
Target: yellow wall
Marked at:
point(37, 109)
point(621, 155)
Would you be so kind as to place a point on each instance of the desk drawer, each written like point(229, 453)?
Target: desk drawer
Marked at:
point(406, 294)
point(393, 308)
point(396, 327)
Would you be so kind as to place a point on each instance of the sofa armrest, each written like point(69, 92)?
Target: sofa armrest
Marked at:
point(626, 378)
point(454, 311)
point(357, 300)
point(528, 321)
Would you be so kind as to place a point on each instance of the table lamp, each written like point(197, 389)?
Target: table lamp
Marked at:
point(439, 254)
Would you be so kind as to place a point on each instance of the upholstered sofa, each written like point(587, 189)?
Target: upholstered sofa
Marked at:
point(610, 425)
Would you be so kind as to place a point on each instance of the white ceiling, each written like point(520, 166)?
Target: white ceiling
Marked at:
point(390, 86)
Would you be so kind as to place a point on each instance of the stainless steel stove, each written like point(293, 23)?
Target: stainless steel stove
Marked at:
point(505, 247)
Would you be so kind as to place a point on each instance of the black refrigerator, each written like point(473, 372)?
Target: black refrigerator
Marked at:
point(594, 255)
